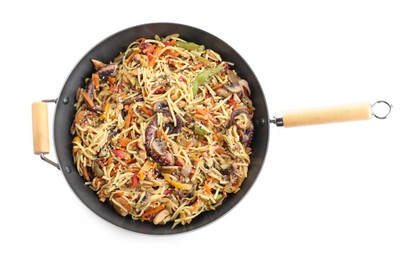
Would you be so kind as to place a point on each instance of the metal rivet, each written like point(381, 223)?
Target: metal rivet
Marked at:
point(66, 100)
point(260, 122)
point(67, 169)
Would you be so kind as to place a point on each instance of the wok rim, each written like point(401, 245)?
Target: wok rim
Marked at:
point(105, 210)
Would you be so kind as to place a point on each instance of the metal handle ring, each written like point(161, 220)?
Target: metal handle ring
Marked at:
point(381, 116)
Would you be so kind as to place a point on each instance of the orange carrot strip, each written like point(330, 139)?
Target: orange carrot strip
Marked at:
point(88, 99)
point(207, 114)
point(220, 150)
point(129, 116)
point(124, 141)
point(149, 213)
point(152, 58)
point(215, 136)
point(132, 55)
point(112, 79)
point(95, 79)
point(197, 66)
point(217, 86)
point(202, 118)
point(146, 110)
point(207, 189)
point(195, 206)
point(190, 144)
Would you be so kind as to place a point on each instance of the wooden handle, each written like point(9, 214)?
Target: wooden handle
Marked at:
point(40, 128)
point(324, 115)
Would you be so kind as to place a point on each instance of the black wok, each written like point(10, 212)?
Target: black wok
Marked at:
point(106, 51)
point(110, 48)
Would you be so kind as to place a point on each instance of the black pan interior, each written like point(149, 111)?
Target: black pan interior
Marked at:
point(106, 51)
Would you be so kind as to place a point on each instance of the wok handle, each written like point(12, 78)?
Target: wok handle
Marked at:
point(330, 114)
point(40, 130)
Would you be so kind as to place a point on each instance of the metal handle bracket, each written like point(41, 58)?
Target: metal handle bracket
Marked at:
point(41, 130)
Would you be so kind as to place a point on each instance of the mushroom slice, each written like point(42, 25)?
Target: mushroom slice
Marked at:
point(159, 146)
point(233, 88)
point(159, 106)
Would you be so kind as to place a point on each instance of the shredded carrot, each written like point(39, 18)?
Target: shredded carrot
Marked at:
point(132, 55)
point(197, 66)
point(207, 114)
point(95, 79)
point(110, 160)
point(151, 212)
point(202, 118)
point(152, 57)
point(195, 206)
point(112, 80)
point(220, 150)
point(88, 99)
point(129, 116)
point(215, 137)
point(124, 141)
point(145, 109)
point(170, 43)
point(217, 86)
point(207, 188)
point(190, 144)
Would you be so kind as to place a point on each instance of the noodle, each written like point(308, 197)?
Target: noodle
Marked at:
point(166, 133)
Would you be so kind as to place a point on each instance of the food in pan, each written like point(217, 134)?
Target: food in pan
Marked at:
point(163, 131)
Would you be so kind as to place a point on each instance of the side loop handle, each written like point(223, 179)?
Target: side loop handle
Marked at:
point(40, 130)
point(377, 114)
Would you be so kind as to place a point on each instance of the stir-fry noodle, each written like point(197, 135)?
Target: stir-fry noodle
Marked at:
point(163, 131)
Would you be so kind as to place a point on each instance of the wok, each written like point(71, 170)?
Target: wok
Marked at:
point(110, 48)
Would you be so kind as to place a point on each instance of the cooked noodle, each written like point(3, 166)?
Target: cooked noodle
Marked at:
point(163, 131)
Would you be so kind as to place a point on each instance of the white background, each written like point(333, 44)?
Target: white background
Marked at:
point(344, 191)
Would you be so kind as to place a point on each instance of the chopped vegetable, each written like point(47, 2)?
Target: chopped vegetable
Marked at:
point(176, 184)
point(191, 46)
point(207, 114)
point(170, 43)
point(135, 179)
point(88, 99)
point(106, 111)
point(119, 153)
point(200, 131)
point(145, 169)
point(124, 141)
point(203, 76)
point(151, 212)
point(129, 116)
point(95, 79)
point(232, 102)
